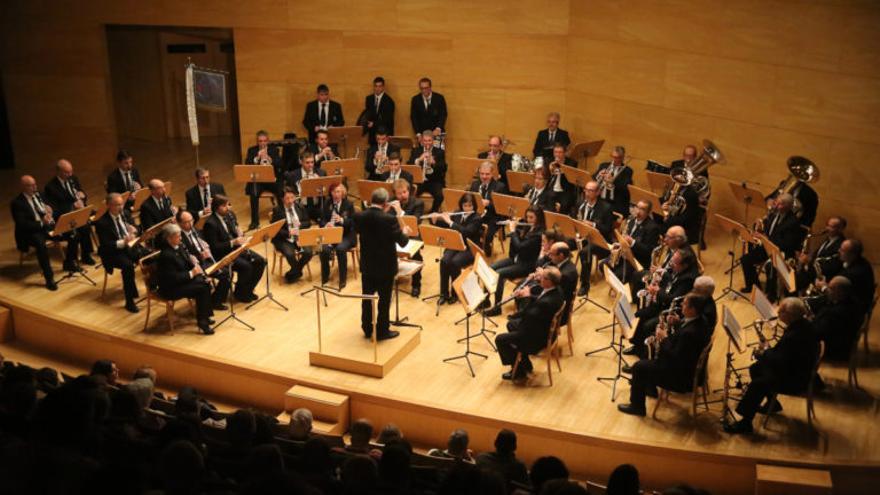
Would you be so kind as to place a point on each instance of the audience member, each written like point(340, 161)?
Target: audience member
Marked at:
point(456, 448)
point(545, 469)
point(300, 427)
point(624, 480)
point(361, 433)
point(106, 369)
point(390, 433)
point(503, 460)
point(563, 487)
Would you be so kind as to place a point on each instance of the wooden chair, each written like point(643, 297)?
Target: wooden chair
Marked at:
point(852, 378)
point(148, 269)
point(569, 328)
point(279, 259)
point(551, 350)
point(811, 412)
point(868, 323)
point(700, 386)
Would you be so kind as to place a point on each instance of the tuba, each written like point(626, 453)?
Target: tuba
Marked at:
point(800, 170)
point(689, 175)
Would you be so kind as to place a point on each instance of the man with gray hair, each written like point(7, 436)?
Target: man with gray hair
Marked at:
point(432, 160)
point(784, 230)
point(116, 230)
point(838, 320)
point(548, 137)
point(614, 177)
point(456, 447)
point(704, 285)
point(180, 276)
point(300, 427)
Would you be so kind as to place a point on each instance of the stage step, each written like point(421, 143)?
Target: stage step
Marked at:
point(330, 410)
point(784, 480)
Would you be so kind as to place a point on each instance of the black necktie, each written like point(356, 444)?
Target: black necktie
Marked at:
point(127, 179)
point(484, 191)
point(120, 227)
point(39, 211)
point(323, 116)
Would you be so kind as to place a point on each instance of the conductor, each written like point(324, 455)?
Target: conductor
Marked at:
point(378, 232)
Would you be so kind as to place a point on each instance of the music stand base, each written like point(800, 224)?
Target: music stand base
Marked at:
point(467, 349)
point(586, 299)
point(730, 290)
point(398, 321)
point(71, 275)
point(268, 296)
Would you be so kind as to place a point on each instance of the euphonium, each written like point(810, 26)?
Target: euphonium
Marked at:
point(800, 169)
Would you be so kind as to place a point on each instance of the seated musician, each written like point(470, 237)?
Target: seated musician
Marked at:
point(322, 113)
point(684, 210)
point(376, 157)
point(405, 203)
point(394, 170)
point(65, 194)
point(286, 240)
point(559, 256)
point(307, 170)
point(825, 256)
point(676, 361)
point(467, 222)
point(785, 368)
point(338, 212)
point(529, 333)
point(704, 285)
point(548, 137)
point(181, 276)
point(661, 256)
point(614, 178)
point(525, 246)
point(194, 244)
point(496, 155)
point(663, 289)
point(806, 197)
point(157, 207)
point(33, 222)
point(564, 192)
point(223, 235)
point(838, 319)
point(115, 230)
point(378, 113)
point(322, 149)
point(485, 186)
point(199, 196)
point(688, 155)
point(124, 178)
point(262, 154)
point(433, 163)
point(598, 214)
point(855, 267)
point(642, 234)
point(783, 229)
point(538, 193)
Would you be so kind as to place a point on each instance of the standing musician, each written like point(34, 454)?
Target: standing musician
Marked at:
point(614, 178)
point(378, 111)
point(785, 368)
point(376, 159)
point(467, 222)
point(406, 204)
point(783, 229)
point(180, 275)
point(115, 231)
point(262, 154)
point(322, 113)
point(124, 178)
point(528, 334)
point(427, 110)
point(378, 232)
point(825, 256)
point(550, 136)
point(64, 194)
point(433, 163)
point(322, 149)
point(194, 244)
point(497, 156)
point(838, 320)
point(394, 170)
point(598, 214)
point(538, 193)
point(642, 234)
point(858, 270)
point(198, 197)
point(676, 361)
point(157, 207)
point(307, 170)
point(223, 235)
point(525, 246)
point(33, 222)
point(485, 186)
point(338, 212)
point(564, 192)
point(286, 240)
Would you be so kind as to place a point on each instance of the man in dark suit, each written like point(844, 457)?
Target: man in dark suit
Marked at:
point(378, 111)
point(322, 149)
point(785, 368)
point(783, 230)
point(322, 113)
point(286, 240)
point(826, 255)
point(598, 214)
point(564, 192)
point(394, 170)
point(115, 230)
point(503, 161)
point(307, 170)
point(428, 156)
point(124, 178)
point(378, 232)
point(858, 270)
point(559, 255)
point(808, 199)
point(688, 212)
point(180, 277)
point(427, 110)
point(838, 320)
point(377, 155)
point(223, 235)
point(615, 178)
point(676, 361)
point(157, 207)
point(194, 244)
point(643, 234)
point(538, 193)
point(406, 204)
point(549, 137)
point(338, 211)
point(486, 186)
point(528, 334)
point(65, 194)
point(33, 222)
point(199, 196)
point(262, 154)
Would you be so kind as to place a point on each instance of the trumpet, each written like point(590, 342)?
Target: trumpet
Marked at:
point(605, 179)
point(426, 161)
point(328, 154)
point(263, 156)
point(380, 160)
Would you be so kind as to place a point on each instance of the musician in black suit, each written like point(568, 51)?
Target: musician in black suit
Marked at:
point(785, 368)
point(378, 111)
point(538, 193)
point(378, 232)
point(338, 212)
point(322, 113)
point(262, 154)
point(427, 110)
point(308, 170)
point(838, 319)
point(676, 361)
point(406, 204)
point(599, 214)
point(322, 149)
point(503, 161)
point(528, 335)
point(467, 222)
point(65, 194)
point(858, 270)
point(377, 155)
point(642, 234)
point(783, 230)
point(199, 196)
point(525, 246)
point(33, 222)
point(548, 137)
point(564, 192)
point(614, 178)
point(684, 210)
point(194, 244)
point(394, 171)
point(825, 255)
point(558, 255)
point(806, 196)
point(157, 207)
point(180, 276)
point(486, 186)
point(287, 239)
point(115, 230)
point(428, 156)
point(223, 235)
point(124, 178)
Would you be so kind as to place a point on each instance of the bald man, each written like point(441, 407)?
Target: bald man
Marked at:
point(33, 221)
point(65, 194)
point(497, 155)
point(157, 207)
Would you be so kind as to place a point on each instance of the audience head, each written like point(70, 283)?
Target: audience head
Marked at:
point(390, 433)
point(394, 466)
point(316, 456)
point(241, 427)
point(545, 469)
point(300, 424)
point(106, 369)
point(361, 433)
point(457, 444)
point(181, 466)
point(624, 480)
point(359, 475)
point(505, 442)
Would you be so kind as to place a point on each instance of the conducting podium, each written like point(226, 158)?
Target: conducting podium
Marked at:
point(69, 222)
point(264, 235)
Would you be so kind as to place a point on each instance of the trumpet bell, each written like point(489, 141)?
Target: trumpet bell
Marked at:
point(682, 175)
point(712, 152)
point(803, 169)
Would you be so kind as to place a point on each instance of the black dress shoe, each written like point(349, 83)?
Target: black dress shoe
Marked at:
point(205, 327)
point(131, 307)
point(253, 297)
point(341, 284)
point(211, 321)
point(627, 369)
point(747, 289)
point(221, 307)
point(442, 299)
point(583, 291)
point(416, 292)
point(253, 226)
point(242, 298)
point(494, 311)
point(508, 375)
point(389, 335)
point(88, 260)
point(739, 427)
point(767, 408)
point(630, 351)
point(51, 285)
point(631, 409)
point(452, 299)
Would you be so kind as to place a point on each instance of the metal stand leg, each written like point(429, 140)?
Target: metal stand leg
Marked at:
point(615, 345)
point(467, 349)
point(268, 294)
point(232, 315)
point(398, 321)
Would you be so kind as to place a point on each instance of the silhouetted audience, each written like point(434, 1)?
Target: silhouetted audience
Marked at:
point(624, 480)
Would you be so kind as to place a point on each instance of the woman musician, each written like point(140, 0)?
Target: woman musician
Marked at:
point(525, 246)
point(468, 223)
point(338, 212)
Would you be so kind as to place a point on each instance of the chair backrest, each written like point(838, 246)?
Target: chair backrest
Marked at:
point(700, 370)
point(816, 368)
point(148, 268)
point(554, 326)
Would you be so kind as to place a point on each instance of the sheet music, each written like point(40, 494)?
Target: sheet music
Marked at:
point(411, 248)
point(615, 282)
point(625, 315)
point(785, 272)
point(763, 305)
point(405, 268)
point(472, 291)
point(734, 330)
point(486, 274)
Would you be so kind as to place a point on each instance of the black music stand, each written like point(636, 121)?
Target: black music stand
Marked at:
point(263, 235)
point(318, 237)
point(69, 222)
point(738, 232)
point(621, 315)
point(443, 238)
point(487, 277)
point(226, 264)
point(592, 236)
point(470, 306)
point(408, 269)
point(735, 337)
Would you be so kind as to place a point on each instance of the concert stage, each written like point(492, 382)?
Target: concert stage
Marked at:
point(574, 419)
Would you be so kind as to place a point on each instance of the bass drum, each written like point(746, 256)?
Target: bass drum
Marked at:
point(519, 163)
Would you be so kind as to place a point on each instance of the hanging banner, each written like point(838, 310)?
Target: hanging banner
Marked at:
point(191, 106)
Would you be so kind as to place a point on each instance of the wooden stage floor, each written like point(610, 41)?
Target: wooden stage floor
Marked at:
point(577, 403)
